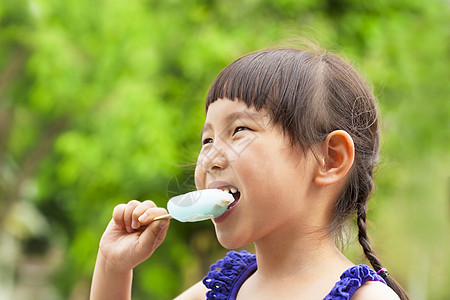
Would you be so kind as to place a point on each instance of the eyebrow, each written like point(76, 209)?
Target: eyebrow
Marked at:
point(248, 115)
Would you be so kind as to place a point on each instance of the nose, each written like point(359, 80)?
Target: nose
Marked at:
point(214, 159)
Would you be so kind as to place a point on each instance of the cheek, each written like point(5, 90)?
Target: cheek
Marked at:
point(265, 169)
point(254, 171)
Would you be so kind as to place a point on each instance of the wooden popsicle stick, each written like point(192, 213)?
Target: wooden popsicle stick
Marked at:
point(224, 202)
point(166, 216)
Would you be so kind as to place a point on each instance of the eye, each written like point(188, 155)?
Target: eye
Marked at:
point(240, 128)
point(207, 141)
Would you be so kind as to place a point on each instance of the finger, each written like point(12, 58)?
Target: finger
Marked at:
point(118, 216)
point(139, 211)
point(127, 216)
point(151, 213)
point(164, 226)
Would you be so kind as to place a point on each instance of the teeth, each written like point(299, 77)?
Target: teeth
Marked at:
point(229, 190)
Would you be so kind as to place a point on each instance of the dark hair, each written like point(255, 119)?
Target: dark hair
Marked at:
point(310, 94)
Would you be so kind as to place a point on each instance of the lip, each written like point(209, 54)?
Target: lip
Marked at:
point(220, 184)
point(224, 216)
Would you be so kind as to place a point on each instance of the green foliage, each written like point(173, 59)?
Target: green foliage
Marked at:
point(102, 102)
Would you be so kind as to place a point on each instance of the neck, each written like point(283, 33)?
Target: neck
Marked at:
point(297, 253)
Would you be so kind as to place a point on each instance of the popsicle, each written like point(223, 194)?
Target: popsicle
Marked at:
point(198, 205)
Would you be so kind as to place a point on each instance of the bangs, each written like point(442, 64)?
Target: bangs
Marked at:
point(250, 79)
point(285, 82)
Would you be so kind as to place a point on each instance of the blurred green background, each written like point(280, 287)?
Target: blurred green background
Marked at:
point(101, 102)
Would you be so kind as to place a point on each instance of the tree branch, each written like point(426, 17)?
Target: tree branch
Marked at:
point(10, 72)
point(31, 162)
point(6, 78)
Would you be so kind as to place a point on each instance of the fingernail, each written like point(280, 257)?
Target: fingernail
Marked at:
point(163, 223)
point(129, 229)
point(134, 224)
point(143, 217)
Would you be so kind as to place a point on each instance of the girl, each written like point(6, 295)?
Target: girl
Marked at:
point(294, 135)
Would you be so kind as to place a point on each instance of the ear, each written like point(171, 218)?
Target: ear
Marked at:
point(338, 154)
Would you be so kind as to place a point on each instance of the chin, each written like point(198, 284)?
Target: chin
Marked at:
point(230, 241)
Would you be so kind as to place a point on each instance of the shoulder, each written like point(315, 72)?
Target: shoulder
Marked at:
point(374, 290)
point(195, 292)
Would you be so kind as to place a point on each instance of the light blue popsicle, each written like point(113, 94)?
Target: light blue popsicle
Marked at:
point(199, 205)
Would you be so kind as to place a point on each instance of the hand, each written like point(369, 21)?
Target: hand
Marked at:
point(132, 236)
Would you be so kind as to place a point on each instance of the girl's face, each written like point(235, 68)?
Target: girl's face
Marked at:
point(270, 179)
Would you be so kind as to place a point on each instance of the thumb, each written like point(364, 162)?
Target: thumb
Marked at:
point(154, 235)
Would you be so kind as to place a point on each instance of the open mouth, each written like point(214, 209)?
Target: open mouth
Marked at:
point(233, 191)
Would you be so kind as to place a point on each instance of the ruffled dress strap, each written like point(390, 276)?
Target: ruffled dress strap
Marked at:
point(351, 280)
point(226, 277)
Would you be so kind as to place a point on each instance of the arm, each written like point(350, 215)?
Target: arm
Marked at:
point(109, 284)
point(130, 238)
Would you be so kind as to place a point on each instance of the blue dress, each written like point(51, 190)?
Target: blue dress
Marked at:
point(226, 277)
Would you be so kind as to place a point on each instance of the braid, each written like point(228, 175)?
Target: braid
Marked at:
point(364, 239)
point(367, 248)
